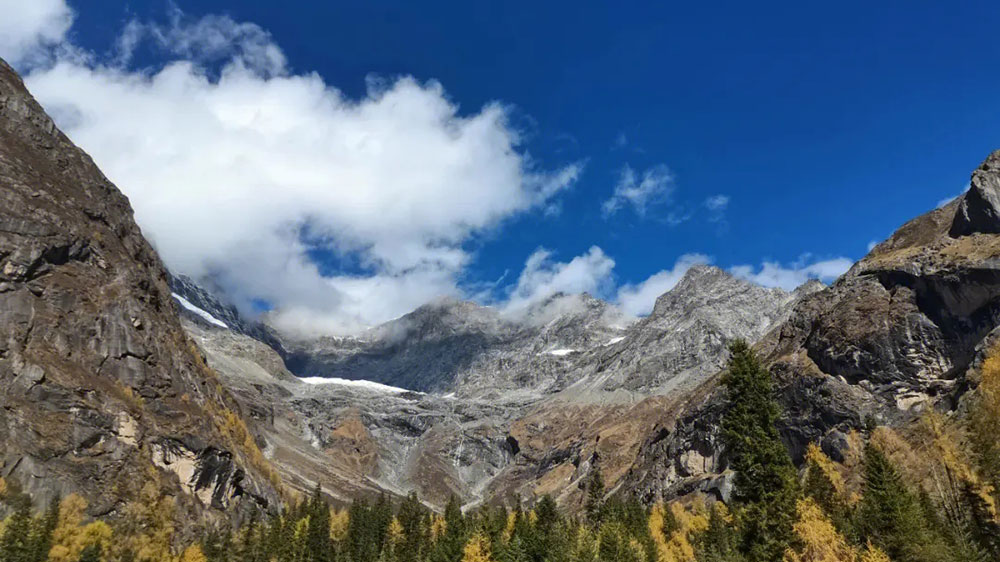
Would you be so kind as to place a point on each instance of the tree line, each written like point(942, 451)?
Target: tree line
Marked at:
point(923, 493)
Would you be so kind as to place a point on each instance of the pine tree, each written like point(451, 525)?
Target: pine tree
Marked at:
point(889, 516)
point(718, 542)
point(595, 498)
point(15, 543)
point(765, 487)
point(318, 531)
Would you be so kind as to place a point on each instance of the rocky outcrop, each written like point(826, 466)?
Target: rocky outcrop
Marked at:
point(96, 373)
point(979, 209)
point(894, 335)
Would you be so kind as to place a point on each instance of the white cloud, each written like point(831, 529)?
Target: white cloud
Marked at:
point(638, 300)
point(774, 274)
point(29, 27)
point(542, 278)
point(236, 168)
point(655, 186)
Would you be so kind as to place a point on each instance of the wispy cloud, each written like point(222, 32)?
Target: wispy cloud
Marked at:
point(790, 276)
point(640, 191)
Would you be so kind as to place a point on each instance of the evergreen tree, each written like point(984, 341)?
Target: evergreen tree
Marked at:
point(718, 542)
point(318, 531)
point(889, 515)
point(595, 498)
point(15, 543)
point(765, 487)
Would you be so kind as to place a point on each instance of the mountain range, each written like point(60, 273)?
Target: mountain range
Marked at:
point(115, 372)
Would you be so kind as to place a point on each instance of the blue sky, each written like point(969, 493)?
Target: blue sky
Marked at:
point(823, 127)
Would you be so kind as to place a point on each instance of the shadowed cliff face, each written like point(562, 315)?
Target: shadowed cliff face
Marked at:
point(895, 335)
point(100, 389)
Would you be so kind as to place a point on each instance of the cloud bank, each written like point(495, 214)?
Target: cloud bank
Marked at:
point(239, 176)
point(240, 170)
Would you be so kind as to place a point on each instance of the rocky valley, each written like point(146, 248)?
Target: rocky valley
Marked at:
point(114, 372)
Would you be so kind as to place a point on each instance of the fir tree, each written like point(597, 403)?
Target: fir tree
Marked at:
point(889, 515)
point(15, 543)
point(765, 487)
point(595, 498)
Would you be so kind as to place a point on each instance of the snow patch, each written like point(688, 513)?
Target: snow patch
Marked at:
point(560, 352)
point(208, 317)
point(613, 341)
point(369, 385)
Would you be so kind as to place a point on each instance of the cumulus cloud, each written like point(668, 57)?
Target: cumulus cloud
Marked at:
point(543, 277)
point(28, 28)
point(653, 186)
point(638, 299)
point(788, 277)
point(237, 169)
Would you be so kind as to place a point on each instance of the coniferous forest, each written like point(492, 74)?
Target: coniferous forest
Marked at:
point(923, 492)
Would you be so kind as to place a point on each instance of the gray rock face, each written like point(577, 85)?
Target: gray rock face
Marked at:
point(95, 370)
point(684, 339)
point(896, 334)
point(979, 208)
point(519, 405)
point(185, 287)
point(453, 346)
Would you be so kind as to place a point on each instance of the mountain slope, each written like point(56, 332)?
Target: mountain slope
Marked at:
point(896, 334)
point(524, 405)
point(100, 389)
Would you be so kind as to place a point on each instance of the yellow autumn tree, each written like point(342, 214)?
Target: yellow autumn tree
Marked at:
point(71, 537)
point(340, 520)
point(477, 549)
point(193, 553)
point(147, 526)
point(439, 526)
point(818, 540)
point(677, 547)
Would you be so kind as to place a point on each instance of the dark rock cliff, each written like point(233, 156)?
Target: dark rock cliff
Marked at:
point(100, 389)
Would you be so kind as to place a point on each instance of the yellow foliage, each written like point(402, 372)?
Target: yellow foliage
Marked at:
point(508, 531)
point(70, 538)
point(339, 522)
point(678, 547)
point(193, 553)
point(148, 526)
point(477, 549)
point(3, 488)
point(234, 430)
point(439, 526)
point(395, 532)
point(873, 553)
point(818, 539)
point(816, 458)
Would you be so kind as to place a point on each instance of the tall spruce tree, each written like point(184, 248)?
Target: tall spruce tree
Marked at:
point(889, 515)
point(595, 498)
point(765, 487)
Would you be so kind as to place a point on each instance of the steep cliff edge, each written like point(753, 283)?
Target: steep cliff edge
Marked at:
point(101, 391)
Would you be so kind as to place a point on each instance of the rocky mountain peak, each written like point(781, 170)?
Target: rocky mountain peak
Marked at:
point(705, 284)
point(979, 208)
